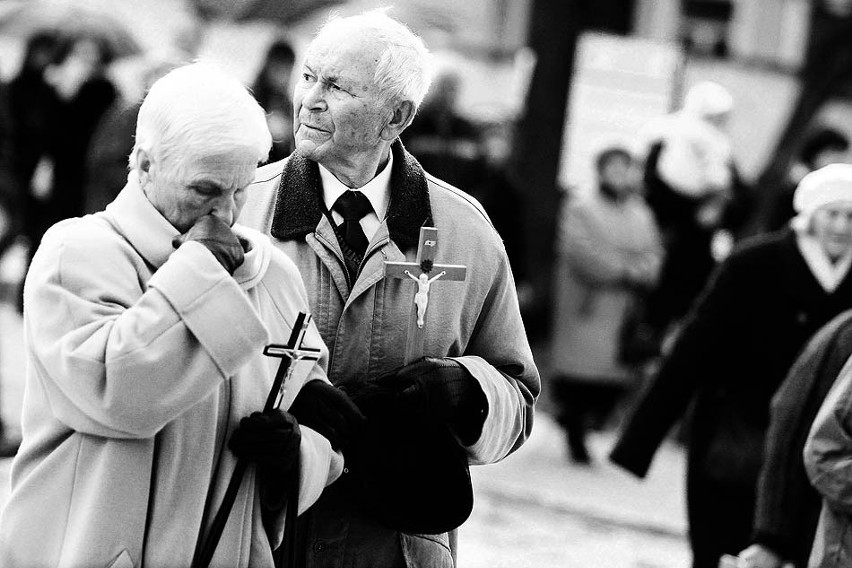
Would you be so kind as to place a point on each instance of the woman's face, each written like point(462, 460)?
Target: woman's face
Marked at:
point(832, 225)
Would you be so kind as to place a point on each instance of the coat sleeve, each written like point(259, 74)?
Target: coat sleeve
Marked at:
point(786, 503)
point(828, 450)
point(688, 365)
point(320, 466)
point(498, 356)
point(119, 357)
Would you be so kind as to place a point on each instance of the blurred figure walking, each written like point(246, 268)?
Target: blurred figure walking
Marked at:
point(698, 199)
point(827, 459)
point(765, 301)
point(788, 508)
point(273, 90)
point(609, 251)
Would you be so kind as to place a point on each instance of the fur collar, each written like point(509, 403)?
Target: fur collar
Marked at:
point(299, 207)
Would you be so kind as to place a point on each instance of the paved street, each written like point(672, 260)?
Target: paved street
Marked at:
point(532, 510)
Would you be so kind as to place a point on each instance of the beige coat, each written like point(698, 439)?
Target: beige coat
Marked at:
point(141, 360)
point(598, 241)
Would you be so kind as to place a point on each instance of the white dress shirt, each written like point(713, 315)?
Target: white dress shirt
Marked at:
point(377, 191)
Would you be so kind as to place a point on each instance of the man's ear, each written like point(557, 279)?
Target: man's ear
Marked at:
point(403, 114)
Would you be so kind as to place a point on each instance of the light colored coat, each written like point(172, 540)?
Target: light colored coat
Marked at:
point(828, 461)
point(141, 360)
point(598, 241)
point(365, 325)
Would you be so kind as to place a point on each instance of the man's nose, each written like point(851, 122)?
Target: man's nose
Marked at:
point(314, 98)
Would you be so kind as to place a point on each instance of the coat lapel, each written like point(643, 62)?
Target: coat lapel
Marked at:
point(299, 207)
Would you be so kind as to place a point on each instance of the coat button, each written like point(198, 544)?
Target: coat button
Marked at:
point(319, 547)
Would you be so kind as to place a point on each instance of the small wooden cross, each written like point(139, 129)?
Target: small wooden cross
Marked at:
point(425, 273)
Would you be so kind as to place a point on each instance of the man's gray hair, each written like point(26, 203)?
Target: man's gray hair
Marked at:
point(199, 109)
point(404, 70)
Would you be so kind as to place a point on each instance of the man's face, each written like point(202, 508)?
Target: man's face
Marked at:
point(213, 184)
point(338, 115)
point(832, 225)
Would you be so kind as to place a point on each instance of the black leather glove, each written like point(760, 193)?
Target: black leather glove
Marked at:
point(443, 390)
point(272, 442)
point(329, 411)
point(219, 239)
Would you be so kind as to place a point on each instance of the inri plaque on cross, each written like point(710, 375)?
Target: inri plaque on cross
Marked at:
point(424, 273)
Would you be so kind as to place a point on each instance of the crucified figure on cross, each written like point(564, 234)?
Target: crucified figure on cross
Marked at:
point(420, 272)
point(421, 298)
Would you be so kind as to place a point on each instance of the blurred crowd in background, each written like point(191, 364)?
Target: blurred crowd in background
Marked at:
point(629, 249)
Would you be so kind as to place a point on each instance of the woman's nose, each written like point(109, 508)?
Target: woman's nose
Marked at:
point(225, 209)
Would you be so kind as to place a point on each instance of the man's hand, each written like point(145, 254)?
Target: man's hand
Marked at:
point(443, 390)
point(272, 442)
point(758, 556)
point(219, 239)
point(329, 411)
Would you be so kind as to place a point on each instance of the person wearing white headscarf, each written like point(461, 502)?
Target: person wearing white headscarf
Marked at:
point(760, 307)
point(697, 197)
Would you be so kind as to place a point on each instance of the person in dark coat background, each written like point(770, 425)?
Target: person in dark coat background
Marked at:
point(33, 107)
point(787, 511)
point(761, 306)
point(272, 89)
point(693, 186)
point(86, 93)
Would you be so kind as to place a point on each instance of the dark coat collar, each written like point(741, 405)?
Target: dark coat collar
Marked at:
point(299, 206)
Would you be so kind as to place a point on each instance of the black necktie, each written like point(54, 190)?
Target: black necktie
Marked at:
point(352, 206)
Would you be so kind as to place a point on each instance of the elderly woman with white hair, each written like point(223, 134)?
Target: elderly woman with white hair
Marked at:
point(145, 327)
point(760, 308)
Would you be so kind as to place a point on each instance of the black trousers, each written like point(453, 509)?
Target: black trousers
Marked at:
point(584, 405)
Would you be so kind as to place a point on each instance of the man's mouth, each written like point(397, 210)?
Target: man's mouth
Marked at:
point(316, 128)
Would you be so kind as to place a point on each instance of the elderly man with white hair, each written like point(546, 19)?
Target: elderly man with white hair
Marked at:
point(349, 199)
point(145, 326)
point(758, 311)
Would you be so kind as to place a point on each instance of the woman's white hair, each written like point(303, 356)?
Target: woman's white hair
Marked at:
point(405, 68)
point(198, 108)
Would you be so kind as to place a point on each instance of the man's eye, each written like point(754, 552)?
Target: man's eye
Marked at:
point(334, 87)
point(307, 77)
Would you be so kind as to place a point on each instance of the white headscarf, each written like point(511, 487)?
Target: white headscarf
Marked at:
point(831, 184)
point(827, 185)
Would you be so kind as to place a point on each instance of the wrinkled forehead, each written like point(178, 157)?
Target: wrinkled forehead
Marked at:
point(338, 54)
point(232, 167)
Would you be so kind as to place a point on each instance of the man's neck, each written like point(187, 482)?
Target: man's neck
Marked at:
point(358, 172)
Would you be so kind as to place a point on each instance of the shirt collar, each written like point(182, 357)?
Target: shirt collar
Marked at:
point(377, 190)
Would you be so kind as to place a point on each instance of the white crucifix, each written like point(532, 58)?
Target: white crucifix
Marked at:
point(425, 273)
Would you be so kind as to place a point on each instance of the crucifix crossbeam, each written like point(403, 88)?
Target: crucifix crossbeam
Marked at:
point(288, 353)
point(424, 272)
